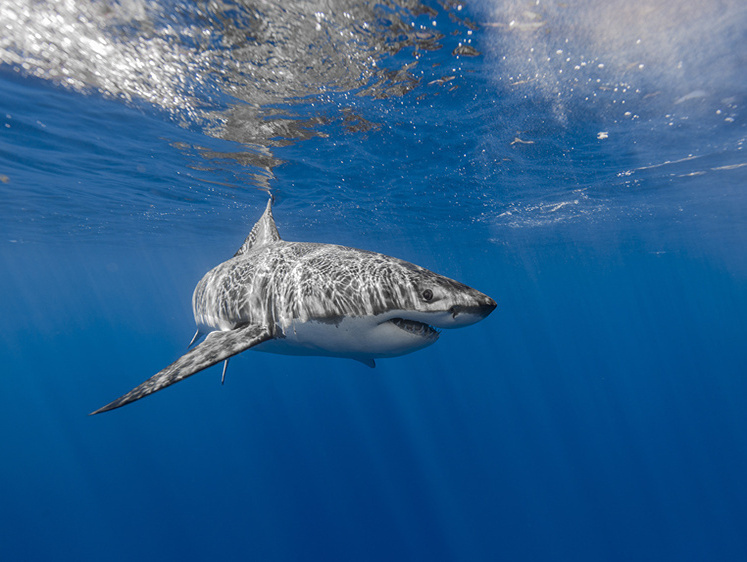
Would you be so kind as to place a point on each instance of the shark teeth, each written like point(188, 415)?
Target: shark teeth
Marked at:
point(416, 328)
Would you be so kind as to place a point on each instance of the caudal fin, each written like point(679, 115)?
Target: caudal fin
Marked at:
point(217, 347)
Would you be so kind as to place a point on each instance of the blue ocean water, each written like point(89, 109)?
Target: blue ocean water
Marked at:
point(581, 163)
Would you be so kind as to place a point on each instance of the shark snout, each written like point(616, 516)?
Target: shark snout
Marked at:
point(465, 314)
point(469, 308)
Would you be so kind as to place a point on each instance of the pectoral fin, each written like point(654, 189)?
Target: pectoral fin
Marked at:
point(217, 347)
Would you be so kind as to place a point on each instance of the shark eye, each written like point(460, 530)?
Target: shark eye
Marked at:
point(427, 295)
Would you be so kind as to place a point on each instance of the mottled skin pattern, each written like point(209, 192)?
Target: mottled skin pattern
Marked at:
point(315, 299)
point(282, 283)
point(217, 347)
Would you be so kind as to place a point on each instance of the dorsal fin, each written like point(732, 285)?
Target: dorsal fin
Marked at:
point(264, 232)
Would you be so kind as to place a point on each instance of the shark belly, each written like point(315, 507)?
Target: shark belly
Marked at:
point(361, 338)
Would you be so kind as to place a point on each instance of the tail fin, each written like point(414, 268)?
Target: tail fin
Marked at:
point(217, 347)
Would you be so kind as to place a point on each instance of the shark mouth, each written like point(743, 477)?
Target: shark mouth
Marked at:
point(416, 328)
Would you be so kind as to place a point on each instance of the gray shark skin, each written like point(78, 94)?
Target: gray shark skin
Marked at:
point(300, 298)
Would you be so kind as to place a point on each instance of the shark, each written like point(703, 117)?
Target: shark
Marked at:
point(306, 298)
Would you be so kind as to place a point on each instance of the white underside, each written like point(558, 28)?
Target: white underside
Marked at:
point(361, 338)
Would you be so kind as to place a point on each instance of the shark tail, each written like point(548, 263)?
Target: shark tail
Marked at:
point(218, 346)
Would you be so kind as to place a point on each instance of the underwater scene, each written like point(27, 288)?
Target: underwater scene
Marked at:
point(497, 311)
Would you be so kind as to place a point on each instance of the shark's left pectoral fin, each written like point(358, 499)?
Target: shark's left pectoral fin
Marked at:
point(218, 346)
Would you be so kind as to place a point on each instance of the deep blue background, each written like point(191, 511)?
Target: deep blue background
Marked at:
point(599, 413)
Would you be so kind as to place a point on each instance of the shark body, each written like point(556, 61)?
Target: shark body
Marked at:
point(301, 298)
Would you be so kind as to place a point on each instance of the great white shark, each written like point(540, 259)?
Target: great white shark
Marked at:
point(303, 298)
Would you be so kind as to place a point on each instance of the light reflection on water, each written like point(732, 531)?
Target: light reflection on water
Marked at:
point(504, 113)
point(225, 66)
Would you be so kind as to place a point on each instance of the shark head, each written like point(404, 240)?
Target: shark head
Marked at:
point(418, 295)
point(418, 303)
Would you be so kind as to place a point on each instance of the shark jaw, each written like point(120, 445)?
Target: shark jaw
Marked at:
point(416, 328)
point(428, 325)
